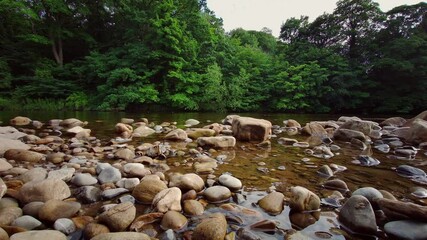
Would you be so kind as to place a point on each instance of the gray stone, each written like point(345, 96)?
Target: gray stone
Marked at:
point(109, 175)
point(407, 230)
point(369, 193)
point(32, 208)
point(27, 222)
point(65, 174)
point(83, 179)
point(64, 225)
point(3, 188)
point(128, 183)
point(35, 174)
point(357, 215)
point(112, 193)
point(88, 194)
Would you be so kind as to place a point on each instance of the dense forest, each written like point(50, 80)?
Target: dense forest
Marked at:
point(175, 55)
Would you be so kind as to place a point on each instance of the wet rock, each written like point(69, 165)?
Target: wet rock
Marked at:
point(39, 234)
point(272, 203)
point(109, 175)
point(72, 122)
point(173, 220)
point(303, 200)
point(217, 142)
point(251, 129)
point(325, 171)
point(291, 123)
point(119, 217)
point(314, 129)
point(127, 120)
point(177, 135)
point(191, 122)
point(147, 189)
point(64, 225)
point(287, 141)
point(186, 182)
point(417, 132)
point(193, 208)
point(27, 222)
point(55, 209)
point(88, 194)
point(125, 154)
point(347, 135)
point(358, 144)
point(397, 210)
point(367, 161)
point(393, 121)
point(93, 229)
point(357, 215)
point(384, 148)
point(230, 182)
point(122, 236)
point(213, 227)
point(410, 172)
point(406, 230)
point(124, 130)
point(243, 233)
point(168, 200)
point(369, 193)
point(387, 195)
point(195, 133)
point(264, 225)
point(418, 192)
point(20, 121)
point(9, 214)
point(44, 190)
point(217, 194)
point(336, 184)
point(83, 179)
point(365, 127)
point(302, 220)
point(21, 155)
point(143, 131)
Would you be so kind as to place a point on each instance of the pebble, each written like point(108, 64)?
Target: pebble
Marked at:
point(44, 190)
point(64, 225)
point(112, 193)
point(303, 200)
point(217, 194)
point(9, 214)
point(168, 200)
point(173, 220)
point(128, 183)
point(109, 175)
point(39, 234)
point(193, 208)
point(83, 179)
point(272, 203)
point(230, 182)
point(214, 227)
point(88, 194)
point(122, 236)
point(119, 217)
point(65, 174)
point(27, 222)
point(55, 209)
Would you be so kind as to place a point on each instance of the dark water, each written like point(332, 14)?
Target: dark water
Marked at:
point(243, 161)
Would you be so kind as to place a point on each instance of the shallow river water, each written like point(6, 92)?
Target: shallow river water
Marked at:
point(243, 161)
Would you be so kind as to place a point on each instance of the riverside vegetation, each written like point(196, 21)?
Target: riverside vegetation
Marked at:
point(343, 179)
point(174, 54)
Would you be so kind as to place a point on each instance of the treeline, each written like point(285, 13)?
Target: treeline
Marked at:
point(175, 55)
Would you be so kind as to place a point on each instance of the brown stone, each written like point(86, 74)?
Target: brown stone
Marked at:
point(93, 229)
point(143, 220)
point(397, 210)
point(119, 217)
point(214, 227)
point(55, 209)
point(251, 129)
point(21, 155)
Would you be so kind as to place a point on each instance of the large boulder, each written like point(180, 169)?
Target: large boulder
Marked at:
point(51, 188)
point(366, 127)
point(22, 155)
point(393, 121)
point(20, 121)
point(143, 131)
point(397, 210)
point(217, 142)
point(314, 129)
point(251, 129)
point(417, 132)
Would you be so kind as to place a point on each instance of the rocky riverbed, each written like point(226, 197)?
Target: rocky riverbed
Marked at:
point(341, 179)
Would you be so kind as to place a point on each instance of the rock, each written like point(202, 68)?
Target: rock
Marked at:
point(213, 227)
point(291, 123)
point(93, 229)
point(9, 214)
point(72, 122)
point(3, 188)
point(357, 215)
point(195, 133)
point(128, 183)
point(8, 144)
point(145, 219)
point(112, 193)
point(264, 225)
point(33, 208)
point(11, 133)
point(39, 234)
point(27, 222)
point(217, 194)
point(347, 135)
point(393, 121)
point(410, 172)
point(366, 127)
point(109, 175)
point(193, 208)
point(217, 142)
point(143, 131)
point(119, 217)
point(135, 170)
point(21, 155)
point(303, 200)
point(4, 165)
point(78, 129)
point(243, 233)
point(216, 127)
point(173, 220)
point(127, 120)
point(230, 182)
point(177, 135)
point(287, 141)
point(186, 182)
point(64, 174)
point(397, 210)
point(168, 200)
point(57, 157)
point(417, 132)
point(336, 184)
point(147, 189)
point(272, 203)
point(83, 179)
point(55, 209)
point(369, 193)
point(406, 230)
point(3, 234)
point(125, 154)
point(367, 161)
point(325, 171)
point(251, 129)
point(124, 130)
point(64, 225)
point(34, 174)
point(20, 121)
point(44, 190)
point(88, 194)
point(191, 122)
point(314, 129)
point(122, 236)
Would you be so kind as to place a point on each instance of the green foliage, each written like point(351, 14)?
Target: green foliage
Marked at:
point(77, 101)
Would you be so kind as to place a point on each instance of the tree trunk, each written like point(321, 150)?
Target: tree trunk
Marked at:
point(57, 51)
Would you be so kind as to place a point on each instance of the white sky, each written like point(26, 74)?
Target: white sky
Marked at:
point(256, 14)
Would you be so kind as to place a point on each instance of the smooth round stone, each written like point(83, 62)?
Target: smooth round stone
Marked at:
point(387, 195)
point(213, 227)
point(410, 172)
point(325, 171)
point(32, 208)
point(336, 184)
point(147, 190)
point(3, 234)
point(368, 192)
point(35, 174)
point(57, 157)
point(101, 166)
point(367, 161)
point(109, 175)
point(27, 222)
point(186, 182)
point(335, 148)
point(168, 200)
point(193, 208)
point(83, 179)
point(191, 122)
point(64, 225)
point(229, 181)
point(122, 236)
point(281, 168)
point(8, 202)
point(217, 194)
point(4, 165)
point(303, 200)
point(39, 234)
point(135, 170)
point(112, 193)
point(125, 154)
point(9, 214)
point(406, 230)
point(357, 215)
point(80, 161)
point(64, 174)
point(272, 203)
point(3, 188)
point(119, 217)
point(127, 198)
point(88, 194)
point(173, 220)
point(44, 190)
point(418, 192)
point(93, 229)
point(55, 209)
point(128, 183)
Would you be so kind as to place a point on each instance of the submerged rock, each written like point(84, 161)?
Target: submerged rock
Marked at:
point(272, 203)
point(303, 200)
point(406, 230)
